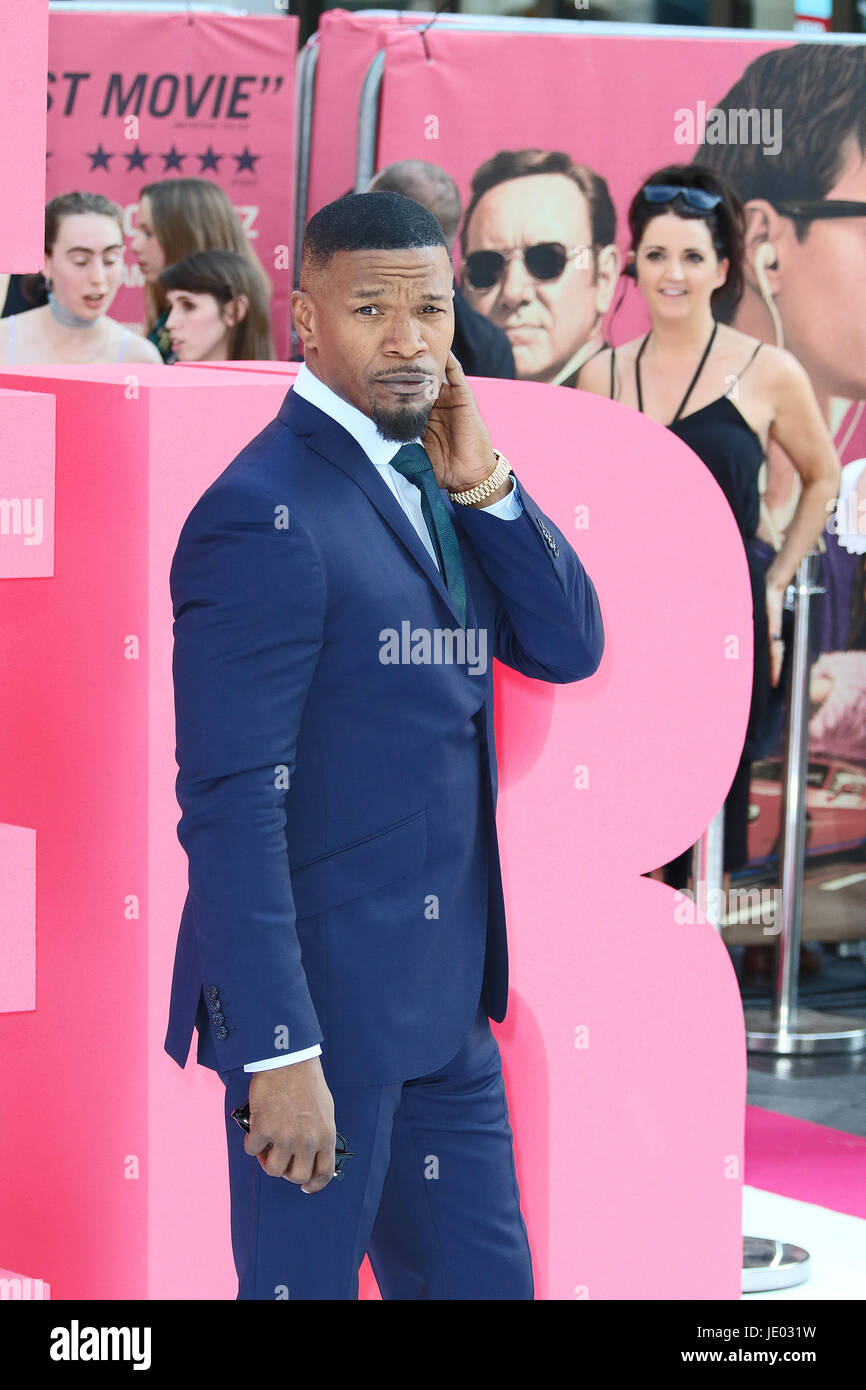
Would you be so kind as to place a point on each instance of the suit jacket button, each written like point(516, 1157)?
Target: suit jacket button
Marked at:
point(218, 1019)
point(212, 992)
point(215, 1005)
point(222, 1032)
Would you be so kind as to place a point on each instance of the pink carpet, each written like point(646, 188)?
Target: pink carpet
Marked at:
point(806, 1161)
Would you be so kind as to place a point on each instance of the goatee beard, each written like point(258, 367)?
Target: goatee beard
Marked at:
point(401, 425)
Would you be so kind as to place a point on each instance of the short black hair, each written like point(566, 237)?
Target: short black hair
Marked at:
point(368, 222)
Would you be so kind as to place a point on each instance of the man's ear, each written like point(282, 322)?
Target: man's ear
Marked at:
point(304, 317)
point(764, 227)
point(606, 276)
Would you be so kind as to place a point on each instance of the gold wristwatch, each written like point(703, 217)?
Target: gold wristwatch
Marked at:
point(470, 495)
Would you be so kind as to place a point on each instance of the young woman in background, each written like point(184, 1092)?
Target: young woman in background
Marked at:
point(217, 310)
point(83, 266)
point(176, 218)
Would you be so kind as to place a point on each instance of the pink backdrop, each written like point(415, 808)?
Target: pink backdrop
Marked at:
point(23, 57)
point(26, 466)
point(624, 1047)
point(200, 86)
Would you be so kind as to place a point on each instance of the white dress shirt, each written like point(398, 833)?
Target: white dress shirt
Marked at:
point(380, 452)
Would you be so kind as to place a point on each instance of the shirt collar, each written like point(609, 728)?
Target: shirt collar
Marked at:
point(378, 450)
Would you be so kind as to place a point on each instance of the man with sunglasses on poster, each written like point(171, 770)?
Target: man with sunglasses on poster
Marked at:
point(540, 259)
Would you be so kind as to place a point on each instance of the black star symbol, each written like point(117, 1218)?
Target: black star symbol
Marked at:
point(99, 158)
point(246, 160)
point(173, 160)
point(209, 160)
point(137, 160)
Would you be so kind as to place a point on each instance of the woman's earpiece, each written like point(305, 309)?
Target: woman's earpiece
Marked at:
point(765, 257)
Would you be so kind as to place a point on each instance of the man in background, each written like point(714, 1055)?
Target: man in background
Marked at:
point(480, 347)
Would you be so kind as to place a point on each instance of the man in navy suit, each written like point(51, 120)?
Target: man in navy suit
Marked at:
point(338, 592)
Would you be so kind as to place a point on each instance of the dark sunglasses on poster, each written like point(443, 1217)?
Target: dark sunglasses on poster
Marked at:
point(241, 1116)
point(545, 261)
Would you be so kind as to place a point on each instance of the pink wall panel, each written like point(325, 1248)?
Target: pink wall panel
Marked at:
point(623, 1049)
point(22, 1286)
point(286, 369)
point(23, 121)
point(17, 918)
point(87, 748)
point(26, 485)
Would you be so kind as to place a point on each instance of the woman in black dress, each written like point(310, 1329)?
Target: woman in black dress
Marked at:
point(724, 394)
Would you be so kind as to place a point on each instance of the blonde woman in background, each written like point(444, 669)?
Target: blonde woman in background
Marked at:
point(175, 219)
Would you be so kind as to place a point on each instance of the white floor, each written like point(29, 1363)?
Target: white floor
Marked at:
point(836, 1243)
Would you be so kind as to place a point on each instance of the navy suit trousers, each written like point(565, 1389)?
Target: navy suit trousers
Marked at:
point(431, 1194)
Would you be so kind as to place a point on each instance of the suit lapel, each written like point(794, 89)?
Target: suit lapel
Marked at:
point(334, 444)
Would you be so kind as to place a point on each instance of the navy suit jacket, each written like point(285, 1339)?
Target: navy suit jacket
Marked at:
point(481, 348)
point(338, 811)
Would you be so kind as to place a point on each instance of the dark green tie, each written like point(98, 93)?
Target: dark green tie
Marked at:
point(414, 463)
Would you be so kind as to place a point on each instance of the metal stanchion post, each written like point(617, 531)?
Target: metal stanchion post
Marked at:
point(305, 86)
point(767, 1263)
point(368, 123)
point(785, 1028)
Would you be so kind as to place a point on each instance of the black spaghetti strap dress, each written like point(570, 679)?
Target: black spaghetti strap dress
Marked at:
point(729, 447)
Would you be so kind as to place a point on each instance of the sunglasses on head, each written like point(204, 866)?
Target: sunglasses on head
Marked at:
point(695, 198)
point(545, 261)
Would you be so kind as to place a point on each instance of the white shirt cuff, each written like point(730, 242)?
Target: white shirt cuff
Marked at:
point(286, 1060)
point(508, 508)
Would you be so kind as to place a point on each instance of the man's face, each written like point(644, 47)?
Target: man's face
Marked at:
point(822, 290)
point(546, 321)
point(377, 328)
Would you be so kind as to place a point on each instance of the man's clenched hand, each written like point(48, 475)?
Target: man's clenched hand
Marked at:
point(292, 1130)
